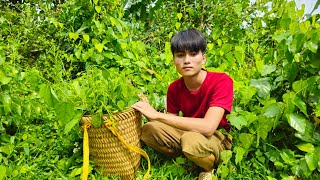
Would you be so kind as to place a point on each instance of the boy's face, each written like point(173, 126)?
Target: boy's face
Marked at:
point(188, 63)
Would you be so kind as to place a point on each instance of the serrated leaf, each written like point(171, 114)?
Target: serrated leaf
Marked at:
point(301, 105)
point(99, 47)
point(237, 121)
point(297, 122)
point(306, 147)
point(268, 69)
point(86, 37)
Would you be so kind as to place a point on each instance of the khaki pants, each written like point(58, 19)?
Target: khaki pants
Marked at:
point(173, 142)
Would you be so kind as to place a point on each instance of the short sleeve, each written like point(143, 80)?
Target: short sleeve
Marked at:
point(223, 93)
point(172, 103)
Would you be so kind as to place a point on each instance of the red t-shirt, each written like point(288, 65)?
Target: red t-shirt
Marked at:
point(216, 90)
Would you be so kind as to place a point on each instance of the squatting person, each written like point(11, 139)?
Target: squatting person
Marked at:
point(203, 97)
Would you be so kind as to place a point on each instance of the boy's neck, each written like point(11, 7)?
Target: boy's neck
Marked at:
point(193, 83)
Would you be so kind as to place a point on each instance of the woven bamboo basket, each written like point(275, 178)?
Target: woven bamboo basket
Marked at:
point(111, 155)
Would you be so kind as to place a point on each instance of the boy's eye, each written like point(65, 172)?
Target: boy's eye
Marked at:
point(193, 53)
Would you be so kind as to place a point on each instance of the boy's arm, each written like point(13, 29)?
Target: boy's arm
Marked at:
point(205, 126)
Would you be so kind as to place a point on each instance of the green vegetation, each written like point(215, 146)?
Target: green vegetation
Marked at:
point(63, 59)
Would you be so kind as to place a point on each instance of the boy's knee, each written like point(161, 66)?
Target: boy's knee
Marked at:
point(192, 144)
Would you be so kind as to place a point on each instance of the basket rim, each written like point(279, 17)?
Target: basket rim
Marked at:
point(87, 117)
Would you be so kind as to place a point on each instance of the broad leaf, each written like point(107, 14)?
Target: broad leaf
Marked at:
point(246, 140)
point(268, 69)
point(272, 110)
point(263, 86)
point(297, 122)
point(237, 121)
point(74, 121)
point(226, 156)
point(48, 95)
point(3, 171)
point(239, 153)
point(301, 105)
point(306, 147)
point(312, 160)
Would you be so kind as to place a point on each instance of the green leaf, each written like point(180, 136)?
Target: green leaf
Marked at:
point(65, 112)
point(98, 9)
point(301, 105)
point(311, 160)
point(226, 156)
point(121, 105)
point(288, 99)
point(180, 160)
point(246, 140)
point(73, 36)
point(179, 16)
point(254, 46)
point(95, 1)
point(263, 86)
point(272, 110)
point(279, 36)
point(306, 147)
point(99, 47)
point(4, 79)
point(3, 171)
point(6, 103)
point(237, 121)
point(297, 122)
point(311, 46)
point(297, 43)
point(86, 37)
point(74, 121)
point(48, 95)
point(304, 168)
point(97, 119)
point(268, 69)
point(239, 154)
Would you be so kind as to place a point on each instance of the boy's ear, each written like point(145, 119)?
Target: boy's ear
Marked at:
point(204, 59)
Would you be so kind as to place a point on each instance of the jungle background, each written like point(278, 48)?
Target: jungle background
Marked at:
point(62, 59)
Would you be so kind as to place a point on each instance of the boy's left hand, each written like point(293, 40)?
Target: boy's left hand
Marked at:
point(146, 109)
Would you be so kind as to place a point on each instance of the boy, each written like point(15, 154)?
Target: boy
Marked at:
point(203, 97)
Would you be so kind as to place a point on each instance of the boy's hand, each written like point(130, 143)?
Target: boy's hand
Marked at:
point(146, 109)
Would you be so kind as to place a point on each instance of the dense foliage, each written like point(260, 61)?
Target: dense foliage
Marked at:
point(63, 59)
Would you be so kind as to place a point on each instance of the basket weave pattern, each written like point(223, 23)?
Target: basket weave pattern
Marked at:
point(111, 155)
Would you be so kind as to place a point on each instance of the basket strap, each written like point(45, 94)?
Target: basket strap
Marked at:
point(129, 146)
point(85, 169)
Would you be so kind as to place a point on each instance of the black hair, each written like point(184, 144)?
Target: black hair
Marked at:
point(188, 40)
